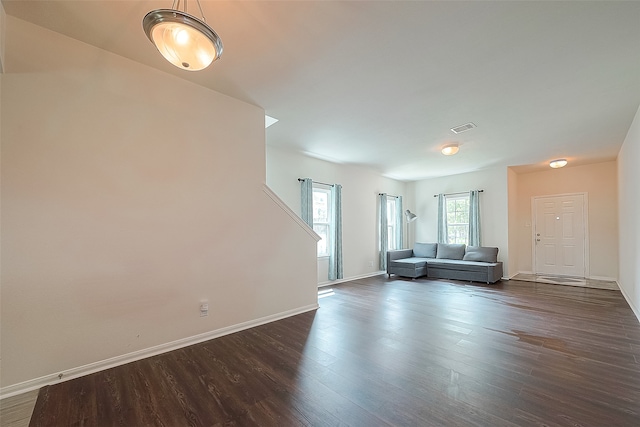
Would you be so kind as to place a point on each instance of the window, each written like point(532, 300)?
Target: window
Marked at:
point(392, 223)
point(322, 218)
point(457, 219)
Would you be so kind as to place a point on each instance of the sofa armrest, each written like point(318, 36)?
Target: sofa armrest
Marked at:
point(399, 254)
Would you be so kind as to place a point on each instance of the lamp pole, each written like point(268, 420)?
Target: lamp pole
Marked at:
point(408, 245)
point(410, 217)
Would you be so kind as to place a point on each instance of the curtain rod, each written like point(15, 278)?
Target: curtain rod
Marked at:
point(317, 182)
point(461, 192)
point(388, 195)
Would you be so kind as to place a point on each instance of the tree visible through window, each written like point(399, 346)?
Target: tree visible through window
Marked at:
point(392, 226)
point(322, 218)
point(458, 219)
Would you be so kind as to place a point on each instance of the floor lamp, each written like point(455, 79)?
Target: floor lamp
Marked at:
point(410, 217)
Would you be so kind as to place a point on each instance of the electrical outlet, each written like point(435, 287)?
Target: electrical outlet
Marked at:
point(204, 309)
point(370, 263)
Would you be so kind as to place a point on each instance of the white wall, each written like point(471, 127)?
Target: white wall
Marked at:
point(599, 182)
point(493, 207)
point(360, 188)
point(128, 196)
point(629, 216)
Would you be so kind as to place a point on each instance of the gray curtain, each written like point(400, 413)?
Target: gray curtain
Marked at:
point(399, 223)
point(442, 219)
point(335, 251)
point(474, 218)
point(384, 234)
point(306, 203)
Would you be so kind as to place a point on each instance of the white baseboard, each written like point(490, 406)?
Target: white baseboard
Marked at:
point(604, 279)
point(91, 368)
point(626, 297)
point(511, 276)
point(348, 279)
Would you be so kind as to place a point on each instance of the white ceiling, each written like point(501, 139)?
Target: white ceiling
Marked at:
point(380, 84)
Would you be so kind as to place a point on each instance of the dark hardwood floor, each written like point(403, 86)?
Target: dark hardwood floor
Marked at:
point(388, 352)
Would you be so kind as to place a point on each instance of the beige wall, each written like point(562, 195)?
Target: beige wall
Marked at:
point(360, 188)
point(512, 190)
point(3, 18)
point(629, 215)
point(599, 182)
point(493, 207)
point(128, 196)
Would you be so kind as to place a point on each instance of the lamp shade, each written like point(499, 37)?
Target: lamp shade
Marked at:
point(410, 216)
point(184, 40)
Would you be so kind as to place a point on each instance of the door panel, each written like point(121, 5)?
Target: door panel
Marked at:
point(549, 254)
point(560, 235)
point(549, 230)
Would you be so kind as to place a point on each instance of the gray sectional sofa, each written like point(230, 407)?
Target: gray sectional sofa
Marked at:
point(446, 261)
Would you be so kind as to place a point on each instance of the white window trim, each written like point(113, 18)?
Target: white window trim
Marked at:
point(391, 224)
point(453, 198)
point(323, 189)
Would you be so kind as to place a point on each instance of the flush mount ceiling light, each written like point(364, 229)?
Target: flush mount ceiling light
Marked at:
point(558, 163)
point(450, 149)
point(184, 40)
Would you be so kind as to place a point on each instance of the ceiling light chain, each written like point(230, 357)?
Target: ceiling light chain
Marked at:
point(176, 6)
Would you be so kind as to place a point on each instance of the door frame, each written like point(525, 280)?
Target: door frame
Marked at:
point(585, 224)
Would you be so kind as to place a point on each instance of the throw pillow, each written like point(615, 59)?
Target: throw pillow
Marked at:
point(481, 253)
point(425, 250)
point(450, 251)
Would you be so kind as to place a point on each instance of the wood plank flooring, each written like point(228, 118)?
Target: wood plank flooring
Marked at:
point(16, 411)
point(388, 352)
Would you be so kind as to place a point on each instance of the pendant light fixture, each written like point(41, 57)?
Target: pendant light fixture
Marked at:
point(184, 40)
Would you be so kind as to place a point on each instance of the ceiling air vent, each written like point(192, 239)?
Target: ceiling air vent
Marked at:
point(463, 128)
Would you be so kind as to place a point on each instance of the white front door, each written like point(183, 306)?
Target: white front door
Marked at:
point(559, 235)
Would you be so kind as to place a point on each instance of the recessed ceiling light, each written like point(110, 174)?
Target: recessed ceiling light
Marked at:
point(558, 163)
point(463, 128)
point(268, 121)
point(450, 149)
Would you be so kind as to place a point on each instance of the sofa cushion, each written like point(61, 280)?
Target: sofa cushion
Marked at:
point(458, 265)
point(425, 250)
point(450, 251)
point(408, 262)
point(481, 253)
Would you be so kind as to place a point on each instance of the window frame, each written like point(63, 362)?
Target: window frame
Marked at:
point(328, 225)
point(457, 224)
point(392, 226)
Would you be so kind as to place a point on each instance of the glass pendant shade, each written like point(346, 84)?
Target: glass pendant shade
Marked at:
point(184, 40)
